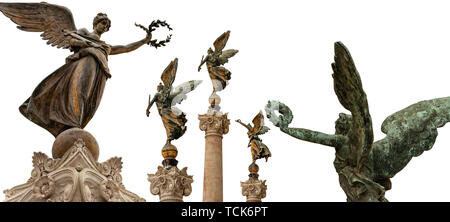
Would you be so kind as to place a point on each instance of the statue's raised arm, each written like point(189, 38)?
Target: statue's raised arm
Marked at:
point(286, 118)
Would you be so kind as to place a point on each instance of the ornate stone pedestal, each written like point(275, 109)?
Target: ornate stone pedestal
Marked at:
point(254, 189)
point(74, 177)
point(170, 183)
point(215, 124)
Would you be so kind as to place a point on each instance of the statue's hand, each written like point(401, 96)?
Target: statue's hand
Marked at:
point(282, 121)
point(147, 112)
point(148, 38)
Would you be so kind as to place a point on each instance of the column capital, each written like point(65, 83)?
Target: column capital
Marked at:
point(171, 184)
point(254, 189)
point(217, 123)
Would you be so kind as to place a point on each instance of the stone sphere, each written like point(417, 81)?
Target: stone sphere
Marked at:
point(253, 168)
point(169, 151)
point(214, 99)
point(66, 140)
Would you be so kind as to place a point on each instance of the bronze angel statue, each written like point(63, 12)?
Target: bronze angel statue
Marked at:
point(365, 167)
point(215, 59)
point(258, 148)
point(69, 96)
point(167, 97)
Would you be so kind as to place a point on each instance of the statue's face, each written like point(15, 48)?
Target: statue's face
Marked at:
point(102, 26)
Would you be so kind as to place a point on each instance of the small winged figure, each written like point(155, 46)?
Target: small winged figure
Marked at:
point(215, 59)
point(258, 148)
point(365, 167)
point(167, 97)
point(70, 96)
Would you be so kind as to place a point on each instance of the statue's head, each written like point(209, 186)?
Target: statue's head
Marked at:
point(160, 87)
point(210, 51)
point(342, 124)
point(101, 23)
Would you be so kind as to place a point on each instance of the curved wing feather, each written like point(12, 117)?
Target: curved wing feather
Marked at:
point(349, 90)
point(258, 123)
point(220, 42)
point(225, 55)
point(50, 19)
point(179, 93)
point(409, 132)
point(169, 74)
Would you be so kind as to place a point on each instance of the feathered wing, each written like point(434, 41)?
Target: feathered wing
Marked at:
point(220, 42)
point(169, 74)
point(179, 93)
point(349, 90)
point(225, 55)
point(258, 123)
point(263, 130)
point(42, 17)
point(409, 132)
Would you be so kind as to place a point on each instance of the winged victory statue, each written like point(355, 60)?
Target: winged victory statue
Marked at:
point(167, 97)
point(257, 147)
point(214, 62)
point(69, 97)
point(365, 167)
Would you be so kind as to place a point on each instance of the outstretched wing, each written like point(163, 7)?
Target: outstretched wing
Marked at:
point(349, 90)
point(220, 42)
point(409, 132)
point(258, 123)
point(42, 17)
point(179, 93)
point(169, 74)
point(225, 55)
point(263, 130)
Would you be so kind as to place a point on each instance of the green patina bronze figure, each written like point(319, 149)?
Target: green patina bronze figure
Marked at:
point(365, 167)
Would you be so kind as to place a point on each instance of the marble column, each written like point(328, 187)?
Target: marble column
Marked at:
point(215, 125)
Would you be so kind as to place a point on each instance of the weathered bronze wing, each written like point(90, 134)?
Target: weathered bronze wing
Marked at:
point(50, 19)
point(349, 90)
point(258, 123)
point(169, 74)
point(409, 132)
point(220, 42)
point(179, 93)
point(225, 55)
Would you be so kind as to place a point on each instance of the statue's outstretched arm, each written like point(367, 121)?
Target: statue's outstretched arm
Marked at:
point(244, 125)
point(285, 119)
point(118, 49)
point(314, 136)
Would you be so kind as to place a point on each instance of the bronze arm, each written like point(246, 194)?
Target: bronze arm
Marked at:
point(243, 124)
point(150, 103)
point(314, 136)
point(119, 49)
point(201, 63)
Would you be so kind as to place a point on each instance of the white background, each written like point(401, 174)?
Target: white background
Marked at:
point(400, 48)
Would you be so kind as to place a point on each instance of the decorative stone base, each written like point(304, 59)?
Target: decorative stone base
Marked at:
point(170, 183)
point(75, 177)
point(254, 189)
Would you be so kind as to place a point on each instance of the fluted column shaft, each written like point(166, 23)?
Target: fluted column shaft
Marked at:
point(215, 126)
